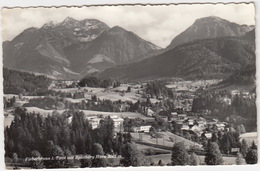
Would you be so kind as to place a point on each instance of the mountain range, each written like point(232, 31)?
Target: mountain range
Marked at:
point(72, 49)
point(200, 59)
point(210, 27)
point(210, 48)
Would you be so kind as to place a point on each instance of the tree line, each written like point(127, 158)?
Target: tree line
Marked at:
point(96, 82)
point(157, 89)
point(16, 82)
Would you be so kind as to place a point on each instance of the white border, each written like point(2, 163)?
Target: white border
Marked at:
point(26, 3)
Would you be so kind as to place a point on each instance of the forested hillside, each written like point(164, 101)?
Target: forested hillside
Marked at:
point(16, 82)
point(200, 59)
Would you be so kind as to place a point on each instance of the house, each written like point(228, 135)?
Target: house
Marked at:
point(234, 93)
point(190, 121)
point(226, 100)
point(182, 116)
point(197, 129)
point(94, 122)
point(150, 112)
point(221, 126)
point(174, 114)
point(208, 135)
point(141, 128)
point(118, 122)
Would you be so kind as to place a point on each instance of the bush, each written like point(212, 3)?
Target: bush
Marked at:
point(251, 157)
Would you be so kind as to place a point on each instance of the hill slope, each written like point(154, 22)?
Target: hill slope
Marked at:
point(16, 82)
point(209, 58)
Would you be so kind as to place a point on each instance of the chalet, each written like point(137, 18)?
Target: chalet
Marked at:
point(197, 129)
point(221, 126)
point(141, 128)
point(234, 93)
point(208, 135)
point(245, 94)
point(185, 126)
point(118, 122)
point(94, 121)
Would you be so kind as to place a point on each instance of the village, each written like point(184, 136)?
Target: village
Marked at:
point(181, 125)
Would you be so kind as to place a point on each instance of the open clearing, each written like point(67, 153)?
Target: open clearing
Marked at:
point(165, 139)
point(113, 94)
point(91, 112)
point(249, 137)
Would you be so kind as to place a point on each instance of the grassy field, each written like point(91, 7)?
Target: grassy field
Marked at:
point(8, 120)
point(166, 158)
point(191, 85)
point(8, 96)
point(249, 137)
point(91, 112)
point(165, 139)
point(113, 94)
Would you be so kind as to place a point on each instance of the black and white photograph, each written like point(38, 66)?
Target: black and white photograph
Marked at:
point(129, 85)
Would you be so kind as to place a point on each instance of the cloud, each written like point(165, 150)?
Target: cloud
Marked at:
point(157, 24)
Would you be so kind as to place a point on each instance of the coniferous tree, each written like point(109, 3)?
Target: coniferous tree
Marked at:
point(132, 156)
point(194, 159)
point(97, 152)
point(244, 148)
point(180, 155)
point(253, 146)
point(251, 156)
point(213, 155)
point(160, 163)
point(37, 164)
point(54, 152)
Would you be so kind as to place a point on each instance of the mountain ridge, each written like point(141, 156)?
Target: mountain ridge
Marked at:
point(209, 27)
point(203, 59)
point(47, 49)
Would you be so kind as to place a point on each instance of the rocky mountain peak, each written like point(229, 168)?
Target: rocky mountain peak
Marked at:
point(117, 30)
point(209, 19)
point(69, 19)
point(209, 27)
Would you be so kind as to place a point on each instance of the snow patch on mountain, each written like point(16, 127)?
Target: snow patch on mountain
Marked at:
point(100, 58)
point(88, 38)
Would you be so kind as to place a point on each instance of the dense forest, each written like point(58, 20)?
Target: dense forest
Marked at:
point(16, 82)
point(245, 76)
point(157, 89)
point(241, 110)
point(31, 134)
point(95, 82)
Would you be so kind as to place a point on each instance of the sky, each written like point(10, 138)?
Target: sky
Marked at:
point(158, 24)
